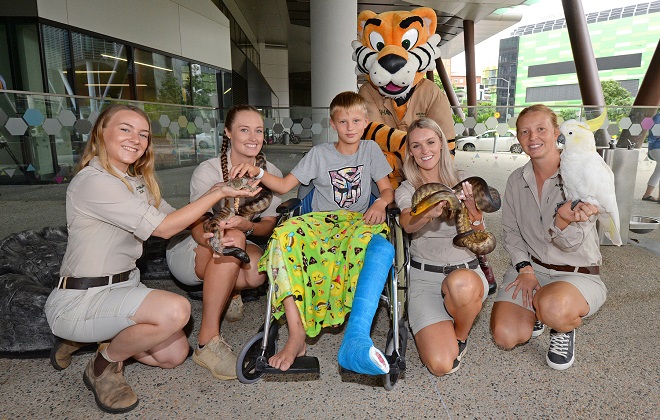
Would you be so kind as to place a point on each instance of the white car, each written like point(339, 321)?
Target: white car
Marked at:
point(484, 142)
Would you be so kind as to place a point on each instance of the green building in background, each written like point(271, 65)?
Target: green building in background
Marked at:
point(538, 63)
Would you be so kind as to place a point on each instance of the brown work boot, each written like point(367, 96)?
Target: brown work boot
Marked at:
point(62, 352)
point(112, 393)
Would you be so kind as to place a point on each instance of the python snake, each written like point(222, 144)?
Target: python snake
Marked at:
point(250, 207)
point(487, 199)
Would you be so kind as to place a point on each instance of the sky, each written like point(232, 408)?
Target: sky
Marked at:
point(487, 51)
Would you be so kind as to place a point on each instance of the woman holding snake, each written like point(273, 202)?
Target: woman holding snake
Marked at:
point(553, 278)
point(193, 262)
point(447, 286)
point(113, 204)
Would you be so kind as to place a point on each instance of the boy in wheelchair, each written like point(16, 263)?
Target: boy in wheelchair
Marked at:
point(314, 260)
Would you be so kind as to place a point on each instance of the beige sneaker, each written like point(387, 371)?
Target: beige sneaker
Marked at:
point(235, 309)
point(217, 357)
point(112, 393)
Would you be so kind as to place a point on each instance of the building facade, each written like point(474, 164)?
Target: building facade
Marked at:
point(538, 62)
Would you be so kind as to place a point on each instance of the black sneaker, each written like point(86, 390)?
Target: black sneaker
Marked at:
point(462, 346)
point(561, 354)
point(538, 329)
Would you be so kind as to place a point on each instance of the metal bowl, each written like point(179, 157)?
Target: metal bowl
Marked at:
point(643, 224)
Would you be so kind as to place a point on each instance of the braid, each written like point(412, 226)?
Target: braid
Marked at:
point(224, 165)
point(260, 160)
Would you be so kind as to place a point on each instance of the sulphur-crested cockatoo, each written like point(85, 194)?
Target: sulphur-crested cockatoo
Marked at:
point(585, 174)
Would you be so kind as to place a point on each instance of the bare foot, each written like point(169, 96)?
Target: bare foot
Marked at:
point(294, 347)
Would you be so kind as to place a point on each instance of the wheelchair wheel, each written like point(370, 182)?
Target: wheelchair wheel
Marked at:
point(246, 365)
point(390, 379)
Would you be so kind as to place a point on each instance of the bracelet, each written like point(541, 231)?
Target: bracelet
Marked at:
point(477, 222)
point(250, 231)
point(260, 174)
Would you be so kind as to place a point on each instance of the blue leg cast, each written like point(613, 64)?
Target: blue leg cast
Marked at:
point(357, 351)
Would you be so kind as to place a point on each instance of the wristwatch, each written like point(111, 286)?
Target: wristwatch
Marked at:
point(249, 231)
point(522, 264)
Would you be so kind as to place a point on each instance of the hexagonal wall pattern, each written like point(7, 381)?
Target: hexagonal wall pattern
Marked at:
point(33, 117)
point(182, 120)
point(492, 123)
point(51, 126)
point(66, 118)
point(306, 122)
point(625, 123)
point(164, 121)
point(83, 126)
point(3, 117)
point(635, 130)
point(16, 126)
point(656, 130)
point(480, 128)
point(470, 122)
point(199, 122)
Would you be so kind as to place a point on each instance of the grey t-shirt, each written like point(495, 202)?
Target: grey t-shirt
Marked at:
point(342, 181)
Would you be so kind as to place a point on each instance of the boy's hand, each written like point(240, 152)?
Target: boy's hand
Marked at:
point(376, 213)
point(242, 169)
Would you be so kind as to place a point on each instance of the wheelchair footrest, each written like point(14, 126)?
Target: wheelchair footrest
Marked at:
point(397, 364)
point(302, 364)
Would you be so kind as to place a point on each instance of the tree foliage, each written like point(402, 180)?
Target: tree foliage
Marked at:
point(617, 99)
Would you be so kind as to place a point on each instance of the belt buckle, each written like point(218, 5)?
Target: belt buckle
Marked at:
point(446, 269)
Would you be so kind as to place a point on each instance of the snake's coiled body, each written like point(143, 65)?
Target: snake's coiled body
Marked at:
point(487, 199)
point(251, 206)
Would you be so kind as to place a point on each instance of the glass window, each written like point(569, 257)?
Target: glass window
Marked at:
point(29, 58)
point(225, 87)
point(204, 86)
point(58, 59)
point(160, 78)
point(101, 68)
point(5, 68)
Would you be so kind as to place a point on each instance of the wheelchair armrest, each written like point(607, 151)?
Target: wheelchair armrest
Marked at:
point(288, 206)
point(393, 210)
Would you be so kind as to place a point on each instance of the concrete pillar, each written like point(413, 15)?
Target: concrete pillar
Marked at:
point(333, 28)
point(470, 66)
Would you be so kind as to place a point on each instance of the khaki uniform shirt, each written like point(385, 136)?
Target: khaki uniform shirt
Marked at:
point(528, 224)
point(434, 241)
point(428, 100)
point(107, 223)
point(209, 173)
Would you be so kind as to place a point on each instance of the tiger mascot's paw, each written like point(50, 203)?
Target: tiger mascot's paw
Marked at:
point(395, 50)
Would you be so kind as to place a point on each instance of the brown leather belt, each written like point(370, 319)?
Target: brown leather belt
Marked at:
point(444, 269)
point(594, 269)
point(82, 283)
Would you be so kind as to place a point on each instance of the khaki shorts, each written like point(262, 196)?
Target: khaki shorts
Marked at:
point(95, 314)
point(590, 286)
point(426, 303)
point(180, 255)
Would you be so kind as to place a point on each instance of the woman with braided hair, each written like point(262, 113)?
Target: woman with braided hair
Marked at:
point(192, 261)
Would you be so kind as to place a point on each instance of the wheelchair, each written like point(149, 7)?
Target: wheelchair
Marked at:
point(252, 362)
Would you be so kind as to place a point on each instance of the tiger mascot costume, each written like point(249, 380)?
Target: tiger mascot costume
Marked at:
point(395, 50)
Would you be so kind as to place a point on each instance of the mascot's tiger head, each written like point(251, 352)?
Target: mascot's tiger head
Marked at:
point(396, 49)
